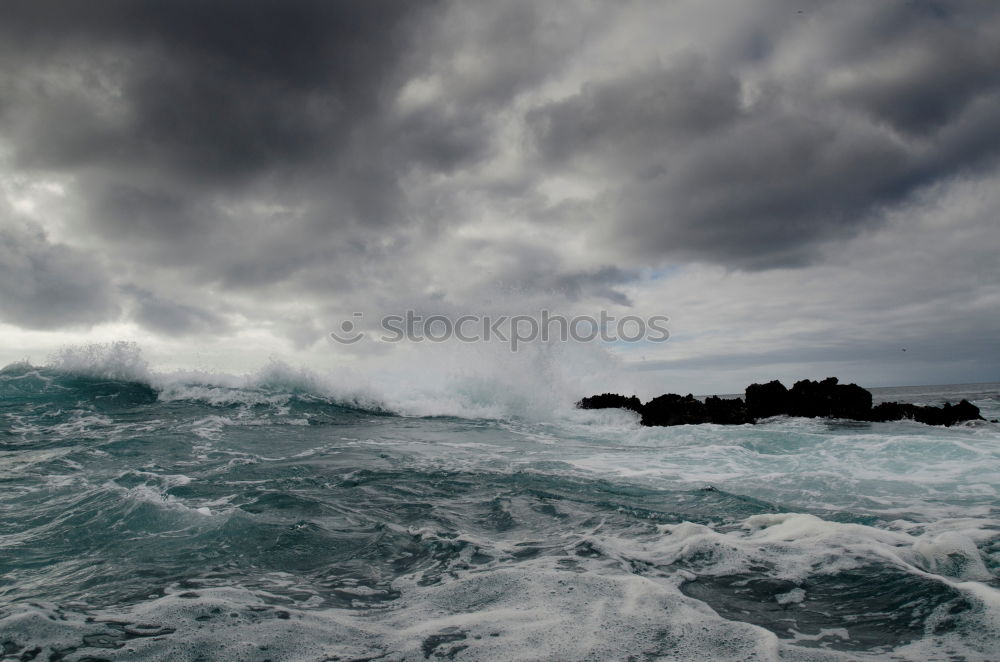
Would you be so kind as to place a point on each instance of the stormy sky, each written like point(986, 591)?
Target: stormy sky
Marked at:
point(804, 188)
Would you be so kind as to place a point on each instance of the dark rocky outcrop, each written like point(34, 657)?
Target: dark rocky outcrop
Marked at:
point(823, 399)
point(726, 412)
point(672, 409)
point(828, 399)
point(765, 400)
point(947, 415)
point(610, 401)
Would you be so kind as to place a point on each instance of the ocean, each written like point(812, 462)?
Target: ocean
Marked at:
point(190, 517)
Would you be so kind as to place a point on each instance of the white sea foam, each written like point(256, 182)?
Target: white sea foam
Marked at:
point(482, 380)
point(122, 361)
point(531, 611)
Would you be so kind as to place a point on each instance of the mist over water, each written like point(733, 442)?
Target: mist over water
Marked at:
point(456, 506)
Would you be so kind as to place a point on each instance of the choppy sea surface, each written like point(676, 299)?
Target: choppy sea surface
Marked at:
point(189, 519)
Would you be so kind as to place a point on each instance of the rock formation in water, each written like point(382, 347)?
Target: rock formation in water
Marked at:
point(825, 399)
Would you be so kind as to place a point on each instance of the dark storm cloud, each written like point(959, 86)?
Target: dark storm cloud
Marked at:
point(766, 192)
point(444, 139)
point(172, 318)
point(45, 285)
point(169, 113)
point(252, 145)
point(230, 143)
point(618, 117)
point(297, 154)
point(219, 90)
point(696, 164)
point(915, 65)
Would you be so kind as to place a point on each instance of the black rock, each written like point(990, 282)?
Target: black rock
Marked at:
point(610, 401)
point(726, 412)
point(672, 409)
point(764, 400)
point(947, 415)
point(891, 411)
point(826, 399)
point(963, 411)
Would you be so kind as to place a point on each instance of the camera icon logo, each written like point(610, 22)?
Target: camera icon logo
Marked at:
point(348, 334)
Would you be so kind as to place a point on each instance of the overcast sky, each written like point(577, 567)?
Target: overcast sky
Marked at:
point(804, 188)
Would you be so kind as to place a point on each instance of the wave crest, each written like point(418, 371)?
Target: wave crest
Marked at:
point(118, 361)
point(481, 381)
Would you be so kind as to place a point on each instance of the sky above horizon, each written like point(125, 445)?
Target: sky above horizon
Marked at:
point(804, 189)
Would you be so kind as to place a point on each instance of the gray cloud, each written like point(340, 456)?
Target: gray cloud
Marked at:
point(221, 91)
point(171, 114)
point(750, 165)
point(173, 318)
point(617, 118)
point(281, 164)
point(45, 285)
point(912, 65)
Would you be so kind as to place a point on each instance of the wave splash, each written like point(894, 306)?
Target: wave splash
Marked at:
point(482, 381)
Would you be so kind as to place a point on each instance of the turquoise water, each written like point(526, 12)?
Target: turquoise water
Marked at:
point(182, 519)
